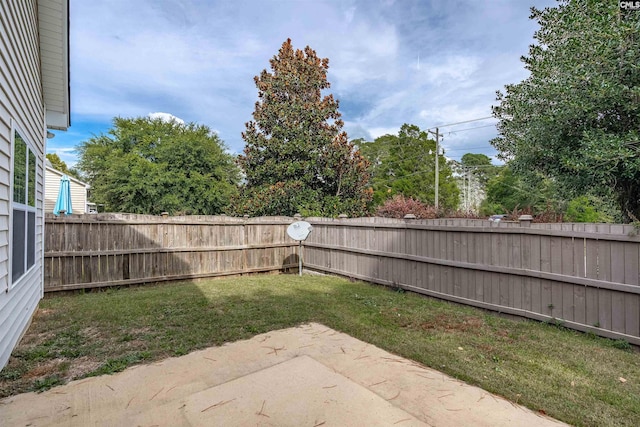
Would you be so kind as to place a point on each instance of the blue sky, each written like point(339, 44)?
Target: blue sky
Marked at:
point(391, 62)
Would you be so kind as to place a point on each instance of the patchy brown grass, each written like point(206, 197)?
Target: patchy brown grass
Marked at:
point(446, 323)
point(565, 374)
point(80, 367)
point(44, 369)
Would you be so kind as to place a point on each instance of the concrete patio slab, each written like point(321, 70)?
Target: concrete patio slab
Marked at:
point(298, 392)
point(305, 376)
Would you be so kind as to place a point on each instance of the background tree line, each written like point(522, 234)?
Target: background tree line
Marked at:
point(574, 123)
point(148, 166)
point(569, 136)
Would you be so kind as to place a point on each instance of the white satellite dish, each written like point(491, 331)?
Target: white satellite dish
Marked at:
point(299, 231)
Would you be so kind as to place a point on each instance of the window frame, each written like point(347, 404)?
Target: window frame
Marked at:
point(23, 207)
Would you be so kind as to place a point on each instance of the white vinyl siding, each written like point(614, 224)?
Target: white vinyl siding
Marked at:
point(22, 109)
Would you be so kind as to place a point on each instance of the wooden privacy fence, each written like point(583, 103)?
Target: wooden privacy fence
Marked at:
point(583, 275)
point(87, 251)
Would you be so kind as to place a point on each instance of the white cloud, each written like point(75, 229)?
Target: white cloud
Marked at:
point(450, 70)
point(454, 113)
point(67, 155)
point(197, 59)
point(348, 14)
point(377, 132)
point(366, 53)
point(166, 117)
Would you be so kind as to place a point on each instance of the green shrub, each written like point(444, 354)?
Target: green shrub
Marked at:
point(587, 209)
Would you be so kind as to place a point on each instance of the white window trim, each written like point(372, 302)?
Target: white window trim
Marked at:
point(15, 127)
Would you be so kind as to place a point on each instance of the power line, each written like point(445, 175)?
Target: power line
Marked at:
point(460, 123)
point(460, 165)
point(430, 172)
point(402, 145)
point(407, 158)
point(480, 147)
point(403, 156)
point(473, 128)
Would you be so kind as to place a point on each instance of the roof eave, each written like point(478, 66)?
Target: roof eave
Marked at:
point(53, 23)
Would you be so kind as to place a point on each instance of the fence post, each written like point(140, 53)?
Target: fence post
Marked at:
point(525, 220)
point(245, 242)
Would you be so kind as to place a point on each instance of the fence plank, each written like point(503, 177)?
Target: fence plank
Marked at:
point(135, 249)
point(586, 275)
point(617, 298)
point(569, 269)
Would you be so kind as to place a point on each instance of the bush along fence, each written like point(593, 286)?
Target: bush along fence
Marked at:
point(583, 276)
point(88, 251)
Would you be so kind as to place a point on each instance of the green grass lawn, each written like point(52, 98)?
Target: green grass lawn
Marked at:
point(571, 376)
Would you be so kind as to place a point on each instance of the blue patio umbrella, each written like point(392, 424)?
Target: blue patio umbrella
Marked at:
point(64, 197)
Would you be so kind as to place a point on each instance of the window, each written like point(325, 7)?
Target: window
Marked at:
point(23, 238)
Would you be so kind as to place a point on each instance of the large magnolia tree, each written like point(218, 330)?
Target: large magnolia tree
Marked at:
point(297, 158)
point(576, 118)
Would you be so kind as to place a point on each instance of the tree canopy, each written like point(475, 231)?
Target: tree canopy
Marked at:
point(480, 166)
point(576, 118)
point(404, 164)
point(148, 166)
point(506, 191)
point(60, 165)
point(297, 158)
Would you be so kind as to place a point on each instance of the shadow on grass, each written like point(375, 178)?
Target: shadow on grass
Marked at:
point(564, 373)
point(101, 332)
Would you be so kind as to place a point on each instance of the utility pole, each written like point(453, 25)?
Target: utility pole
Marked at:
point(464, 188)
point(469, 177)
point(437, 169)
point(468, 197)
point(437, 134)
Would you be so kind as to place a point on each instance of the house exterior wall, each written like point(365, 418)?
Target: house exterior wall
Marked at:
point(21, 109)
point(52, 187)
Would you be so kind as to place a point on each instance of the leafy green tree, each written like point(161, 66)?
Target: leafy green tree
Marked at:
point(507, 191)
point(60, 165)
point(297, 158)
point(582, 209)
point(148, 166)
point(404, 164)
point(480, 166)
point(576, 118)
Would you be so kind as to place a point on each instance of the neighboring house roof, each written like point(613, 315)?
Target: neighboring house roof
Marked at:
point(53, 25)
point(79, 191)
point(71, 178)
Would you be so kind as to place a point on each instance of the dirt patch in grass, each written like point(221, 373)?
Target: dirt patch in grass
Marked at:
point(81, 367)
point(43, 312)
point(90, 333)
point(446, 323)
point(139, 331)
point(45, 369)
point(35, 339)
